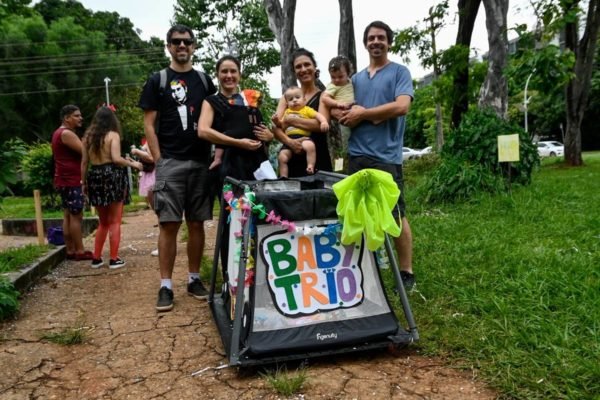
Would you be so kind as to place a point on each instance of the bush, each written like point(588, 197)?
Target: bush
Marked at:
point(458, 180)
point(9, 299)
point(469, 159)
point(476, 140)
point(38, 166)
point(11, 153)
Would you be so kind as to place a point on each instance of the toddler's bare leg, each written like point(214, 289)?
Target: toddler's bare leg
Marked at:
point(311, 156)
point(283, 158)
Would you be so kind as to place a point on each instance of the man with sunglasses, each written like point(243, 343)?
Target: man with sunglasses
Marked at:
point(171, 113)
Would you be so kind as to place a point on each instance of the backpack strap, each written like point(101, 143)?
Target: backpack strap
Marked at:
point(163, 81)
point(161, 91)
point(202, 76)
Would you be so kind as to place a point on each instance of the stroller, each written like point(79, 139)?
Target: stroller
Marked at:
point(290, 290)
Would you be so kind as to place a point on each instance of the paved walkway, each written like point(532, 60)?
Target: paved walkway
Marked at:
point(133, 352)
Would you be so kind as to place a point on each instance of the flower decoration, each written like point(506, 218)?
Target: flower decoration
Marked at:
point(247, 204)
point(111, 107)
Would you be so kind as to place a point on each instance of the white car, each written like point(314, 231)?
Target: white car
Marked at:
point(426, 150)
point(550, 149)
point(410, 154)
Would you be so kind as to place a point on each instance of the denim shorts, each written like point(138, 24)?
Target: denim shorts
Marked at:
point(356, 163)
point(181, 188)
point(71, 198)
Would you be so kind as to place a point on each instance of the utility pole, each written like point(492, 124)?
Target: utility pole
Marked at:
point(107, 80)
point(526, 99)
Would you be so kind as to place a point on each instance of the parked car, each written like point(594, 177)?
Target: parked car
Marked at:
point(410, 154)
point(550, 149)
point(426, 150)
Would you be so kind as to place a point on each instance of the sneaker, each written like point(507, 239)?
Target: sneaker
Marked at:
point(154, 253)
point(165, 299)
point(408, 280)
point(116, 263)
point(197, 289)
point(97, 263)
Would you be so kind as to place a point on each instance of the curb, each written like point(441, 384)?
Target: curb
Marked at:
point(28, 226)
point(26, 277)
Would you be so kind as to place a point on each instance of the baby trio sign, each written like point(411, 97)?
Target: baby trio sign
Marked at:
point(308, 273)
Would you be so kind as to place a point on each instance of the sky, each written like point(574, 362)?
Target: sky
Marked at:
point(317, 21)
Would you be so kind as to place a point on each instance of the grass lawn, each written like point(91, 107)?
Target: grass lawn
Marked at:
point(14, 258)
point(23, 207)
point(509, 286)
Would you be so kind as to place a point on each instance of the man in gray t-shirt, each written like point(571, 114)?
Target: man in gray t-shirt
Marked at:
point(383, 92)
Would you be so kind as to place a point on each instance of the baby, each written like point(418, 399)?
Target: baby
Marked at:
point(297, 108)
point(339, 93)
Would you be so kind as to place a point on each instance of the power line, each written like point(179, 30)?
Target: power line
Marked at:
point(77, 56)
point(71, 89)
point(71, 69)
point(89, 40)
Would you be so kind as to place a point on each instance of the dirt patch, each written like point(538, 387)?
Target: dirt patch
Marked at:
point(133, 352)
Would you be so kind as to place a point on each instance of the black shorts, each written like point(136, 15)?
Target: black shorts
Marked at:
point(71, 198)
point(356, 163)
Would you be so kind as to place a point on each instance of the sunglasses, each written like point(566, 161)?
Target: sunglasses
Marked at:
point(177, 41)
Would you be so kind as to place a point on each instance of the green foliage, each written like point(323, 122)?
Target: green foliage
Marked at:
point(420, 122)
point(41, 71)
point(16, 7)
point(69, 336)
point(550, 69)
point(132, 120)
point(11, 153)
point(233, 27)
point(508, 285)
point(470, 159)
point(24, 207)
point(460, 180)
point(14, 258)
point(9, 299)
point(420, 37)
point(285, 383)
point(38, 166)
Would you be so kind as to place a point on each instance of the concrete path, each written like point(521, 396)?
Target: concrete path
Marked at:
point(133, 352)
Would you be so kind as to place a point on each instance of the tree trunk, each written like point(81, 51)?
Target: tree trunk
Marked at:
point(578, 88)
point(281, 22)
point(494, 92)
point(346, 42)
point(467, 13)
point(439, 127)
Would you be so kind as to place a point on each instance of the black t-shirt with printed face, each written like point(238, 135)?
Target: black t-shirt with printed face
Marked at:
point(178, 112)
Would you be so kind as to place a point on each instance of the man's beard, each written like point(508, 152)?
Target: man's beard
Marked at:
point(182, 59)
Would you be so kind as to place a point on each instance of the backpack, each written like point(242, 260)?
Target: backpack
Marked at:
point(55, 236)
point(163, 86)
